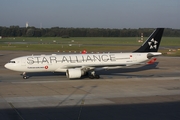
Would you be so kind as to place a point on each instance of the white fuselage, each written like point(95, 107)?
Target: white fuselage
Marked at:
point(60, 63)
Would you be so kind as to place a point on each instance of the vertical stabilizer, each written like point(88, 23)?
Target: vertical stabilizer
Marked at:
point(153, 42)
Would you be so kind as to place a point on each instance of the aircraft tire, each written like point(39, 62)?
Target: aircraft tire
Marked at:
point(25, 77)
point(91, 76)
point(97, 76)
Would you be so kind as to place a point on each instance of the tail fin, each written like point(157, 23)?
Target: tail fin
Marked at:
point(153, 42)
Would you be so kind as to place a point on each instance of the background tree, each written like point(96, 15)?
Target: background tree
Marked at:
point(16, 31)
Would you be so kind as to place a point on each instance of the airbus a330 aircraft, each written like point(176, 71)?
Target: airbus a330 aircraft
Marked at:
point(77, 65)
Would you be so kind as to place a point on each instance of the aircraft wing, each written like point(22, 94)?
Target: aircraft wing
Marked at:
point(100, 67)
point(94, 67)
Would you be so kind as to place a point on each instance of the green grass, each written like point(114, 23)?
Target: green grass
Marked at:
point(77, 40)
point(91, 44)
point(66, 48)
point(175, 41)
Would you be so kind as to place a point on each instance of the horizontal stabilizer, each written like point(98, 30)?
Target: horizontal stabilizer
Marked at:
point(153, 54)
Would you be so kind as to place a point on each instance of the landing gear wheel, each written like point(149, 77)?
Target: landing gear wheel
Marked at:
point(24, 75)
point(97, 76)
point(93, 75)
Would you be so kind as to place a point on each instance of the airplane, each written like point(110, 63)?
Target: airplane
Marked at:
point(78, 65)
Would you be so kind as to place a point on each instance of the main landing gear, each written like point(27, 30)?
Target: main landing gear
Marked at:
point(93, 75)
point(24, 75)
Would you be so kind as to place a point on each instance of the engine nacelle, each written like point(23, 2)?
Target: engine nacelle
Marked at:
point(74, 73)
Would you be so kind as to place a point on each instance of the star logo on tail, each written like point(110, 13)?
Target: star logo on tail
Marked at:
point(153, 44)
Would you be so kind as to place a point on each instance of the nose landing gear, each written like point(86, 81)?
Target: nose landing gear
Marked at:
point(24, 75)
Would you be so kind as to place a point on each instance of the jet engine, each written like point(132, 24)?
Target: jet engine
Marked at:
point(74, 73)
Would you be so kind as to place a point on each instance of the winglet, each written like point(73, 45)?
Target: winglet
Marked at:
point(153, 42)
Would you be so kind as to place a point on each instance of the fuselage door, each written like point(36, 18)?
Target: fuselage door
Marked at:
point(23, 62)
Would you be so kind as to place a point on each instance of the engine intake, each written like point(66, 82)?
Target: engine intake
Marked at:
point(74, 73)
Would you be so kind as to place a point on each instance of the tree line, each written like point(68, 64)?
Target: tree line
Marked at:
point(16, 31)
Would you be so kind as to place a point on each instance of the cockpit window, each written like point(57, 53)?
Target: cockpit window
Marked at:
point(12, 62)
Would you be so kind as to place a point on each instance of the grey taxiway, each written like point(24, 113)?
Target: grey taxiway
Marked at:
point(138, 92)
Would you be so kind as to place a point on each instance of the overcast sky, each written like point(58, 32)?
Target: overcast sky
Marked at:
point(91, 13)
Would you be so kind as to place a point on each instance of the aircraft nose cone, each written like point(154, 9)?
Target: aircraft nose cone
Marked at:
point(8, 66)
point(12, 66)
